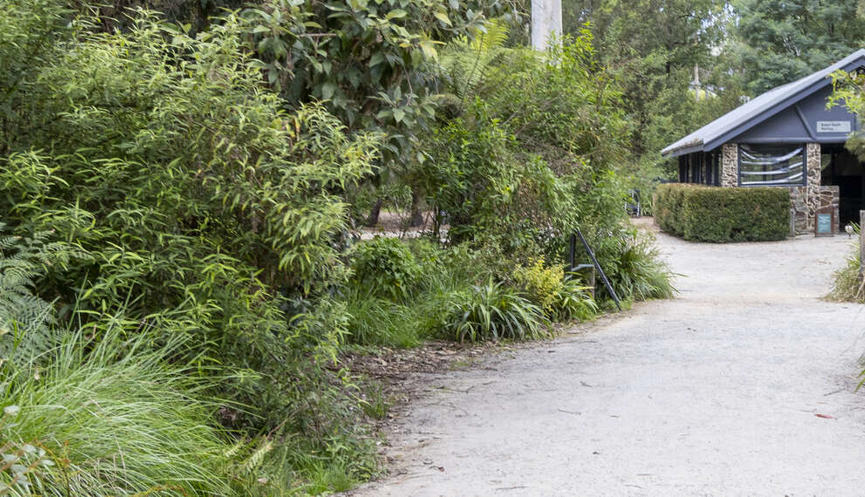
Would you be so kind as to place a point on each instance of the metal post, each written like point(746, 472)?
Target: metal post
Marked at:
point(600, 271)
point(861, 245)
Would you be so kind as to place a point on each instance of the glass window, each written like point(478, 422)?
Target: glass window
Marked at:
point(771, 165)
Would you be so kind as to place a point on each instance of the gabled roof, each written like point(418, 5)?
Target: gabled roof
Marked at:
point(759, 109)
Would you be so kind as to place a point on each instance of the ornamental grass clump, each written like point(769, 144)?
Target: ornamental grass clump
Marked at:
point(492, 311)
point(108, 418)
point(846, 284)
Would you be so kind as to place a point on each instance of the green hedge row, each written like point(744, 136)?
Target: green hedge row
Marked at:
point(714, 214)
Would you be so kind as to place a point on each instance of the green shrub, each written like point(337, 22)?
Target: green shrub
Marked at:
point(713, 214)
point(542, 285)
point(380, 321)
point(846, 285)
point(635, 269)
point(492, 311)
point(573, 301)
point(385, 266)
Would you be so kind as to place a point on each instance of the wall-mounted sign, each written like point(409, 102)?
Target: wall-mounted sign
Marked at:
point(833, 126)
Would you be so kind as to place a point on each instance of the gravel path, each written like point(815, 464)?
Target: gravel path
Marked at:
point(741, 386)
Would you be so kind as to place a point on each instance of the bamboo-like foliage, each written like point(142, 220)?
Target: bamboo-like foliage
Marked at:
point(203, 207)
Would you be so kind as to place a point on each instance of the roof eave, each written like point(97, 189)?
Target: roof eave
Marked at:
point(683, 150)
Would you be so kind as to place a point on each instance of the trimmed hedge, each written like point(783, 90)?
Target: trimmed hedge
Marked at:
point(714, 214)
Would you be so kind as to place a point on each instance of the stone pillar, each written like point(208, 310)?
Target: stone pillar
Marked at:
point(546, 22)
point(806, 199)
point(730, 164)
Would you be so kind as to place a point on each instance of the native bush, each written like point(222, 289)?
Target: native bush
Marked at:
point(385, 266)
point(381, 321)
point(634, 267)
point(847, 286)
point(491, 311)
point(109, 418)
point(714, 214)
point(201, 208)
point(541, 284)
point(573, 301)
point(96, 414)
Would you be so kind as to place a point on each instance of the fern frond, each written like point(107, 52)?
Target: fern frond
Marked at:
point(467, 63)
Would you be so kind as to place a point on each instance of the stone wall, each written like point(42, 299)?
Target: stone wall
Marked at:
point(730, 164)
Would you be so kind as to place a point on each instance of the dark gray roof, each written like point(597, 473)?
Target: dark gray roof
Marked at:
point(760, 108)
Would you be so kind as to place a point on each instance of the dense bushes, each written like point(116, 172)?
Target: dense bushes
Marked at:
point(712, 214)
point(200, 209)
point(197, 225)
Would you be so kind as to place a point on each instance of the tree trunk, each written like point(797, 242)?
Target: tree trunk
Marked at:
point(416, 208)
point(372, 219)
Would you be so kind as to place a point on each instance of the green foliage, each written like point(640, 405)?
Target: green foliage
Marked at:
point(189, 215)
point(848, 90)
point(204, 210)
point(385, 266)
point(380, 321)
point(634, 267)
point(712, 214)
point(542, 285)
point(654, 66)
point(189, 188)
point(108, 418)
point(780, 42)
point(467, 64)
point(25, 318)
point(406, 322)
point(20, 263)
point(573, 301)
point(846, 284)
point(374, 65)
point(472, 175)
point(512, 173)
point(31, 35)
point(492, 311)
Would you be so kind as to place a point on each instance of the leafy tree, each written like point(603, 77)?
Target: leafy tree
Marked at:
point(779, 41)
point(373, 64)
point(648, 45)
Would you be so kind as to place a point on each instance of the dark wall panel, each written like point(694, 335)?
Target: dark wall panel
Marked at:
point(807, 121)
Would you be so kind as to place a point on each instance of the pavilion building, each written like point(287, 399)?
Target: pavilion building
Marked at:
point(785, 138)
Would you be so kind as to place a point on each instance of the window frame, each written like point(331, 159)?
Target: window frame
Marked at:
point(804, 153)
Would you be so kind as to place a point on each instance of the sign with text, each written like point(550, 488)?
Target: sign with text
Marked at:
point(825, 223)
point(833, 126)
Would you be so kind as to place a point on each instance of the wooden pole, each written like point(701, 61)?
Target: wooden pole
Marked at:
point(861, 245)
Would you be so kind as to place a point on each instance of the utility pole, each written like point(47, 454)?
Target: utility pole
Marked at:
point(546, 22)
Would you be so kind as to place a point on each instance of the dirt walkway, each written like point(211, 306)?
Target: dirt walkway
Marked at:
point(742, 386)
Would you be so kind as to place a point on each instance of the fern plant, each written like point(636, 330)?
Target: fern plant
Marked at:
point(468, 62)
point(21, 260)
point(24, 316)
